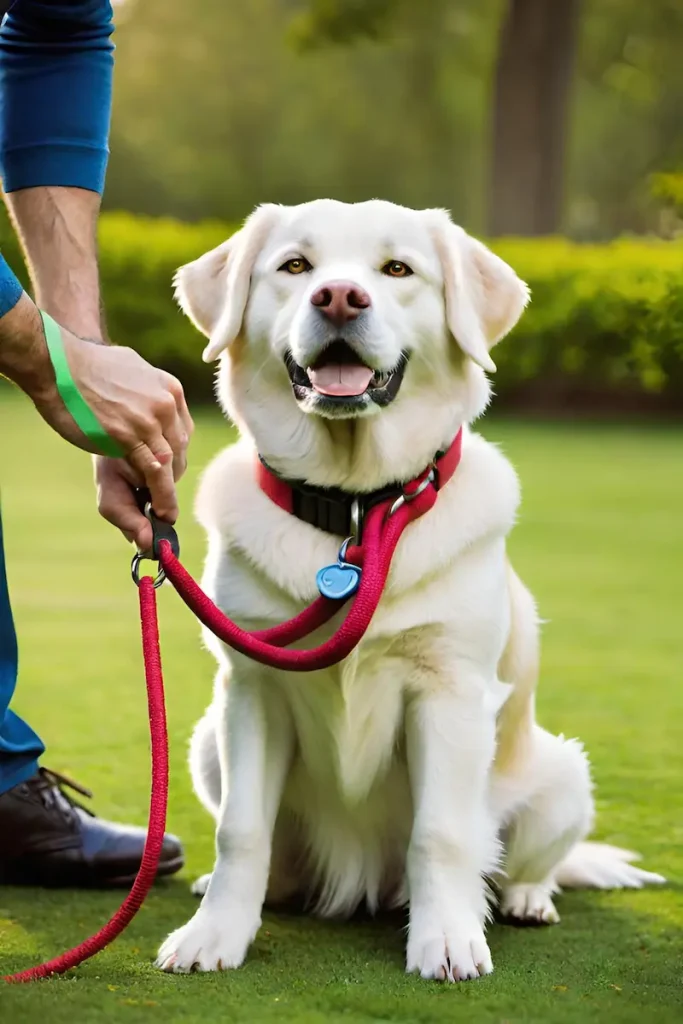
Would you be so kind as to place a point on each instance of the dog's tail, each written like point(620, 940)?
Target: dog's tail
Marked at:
point(599, 866)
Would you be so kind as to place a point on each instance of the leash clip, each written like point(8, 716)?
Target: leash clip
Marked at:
point(160, 531)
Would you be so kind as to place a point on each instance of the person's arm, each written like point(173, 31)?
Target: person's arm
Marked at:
point(55, 97)
point(142, 408)
point(58, 230)
point(56, 67)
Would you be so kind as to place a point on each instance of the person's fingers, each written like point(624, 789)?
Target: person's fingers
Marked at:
point(175, 422)
point(177, 439)
point(176, 389)
point(116, 503)
point(179, 467)
point(155, 464)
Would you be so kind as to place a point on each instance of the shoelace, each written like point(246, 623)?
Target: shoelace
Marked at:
point(50, 785)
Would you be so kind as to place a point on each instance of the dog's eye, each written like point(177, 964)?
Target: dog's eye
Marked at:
point(394, 268)
point(297, 265)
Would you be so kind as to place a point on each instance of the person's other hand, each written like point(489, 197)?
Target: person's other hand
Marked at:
point(141, 407)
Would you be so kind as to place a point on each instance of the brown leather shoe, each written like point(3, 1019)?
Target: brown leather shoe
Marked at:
point(48, 839)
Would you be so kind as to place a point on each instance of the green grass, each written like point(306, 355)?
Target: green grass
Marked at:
point(601, 545)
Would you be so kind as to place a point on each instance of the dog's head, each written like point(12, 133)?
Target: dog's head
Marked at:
point(354, 336)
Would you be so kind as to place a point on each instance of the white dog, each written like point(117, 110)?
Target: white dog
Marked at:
point(353, 343)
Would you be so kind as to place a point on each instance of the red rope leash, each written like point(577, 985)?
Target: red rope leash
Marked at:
point(157, 810)
point(381, 535)
point(383, 527)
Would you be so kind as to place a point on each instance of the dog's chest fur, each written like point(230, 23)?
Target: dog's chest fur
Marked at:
point(349, 784)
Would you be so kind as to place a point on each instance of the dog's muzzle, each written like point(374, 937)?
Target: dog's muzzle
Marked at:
point(340, 383)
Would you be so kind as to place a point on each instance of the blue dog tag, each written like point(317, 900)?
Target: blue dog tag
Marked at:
point(339, 581)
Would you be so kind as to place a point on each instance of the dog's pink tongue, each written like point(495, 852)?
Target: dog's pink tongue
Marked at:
point(340, 379)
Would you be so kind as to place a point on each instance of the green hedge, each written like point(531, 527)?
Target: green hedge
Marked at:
point(138, 258)
point(605, 323)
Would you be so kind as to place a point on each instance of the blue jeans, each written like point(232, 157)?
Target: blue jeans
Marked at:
point(20, 747)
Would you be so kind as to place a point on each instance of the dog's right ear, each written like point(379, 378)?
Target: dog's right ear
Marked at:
point(200, 287)
point(213, 290)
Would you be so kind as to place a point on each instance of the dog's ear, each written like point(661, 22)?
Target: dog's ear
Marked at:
point(213, 290)
point(200, 287)
point(484, 297)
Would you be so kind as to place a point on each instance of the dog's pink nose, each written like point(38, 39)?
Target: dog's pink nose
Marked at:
point(340, 301)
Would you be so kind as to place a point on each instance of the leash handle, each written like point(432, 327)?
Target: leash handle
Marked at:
point(76, 405)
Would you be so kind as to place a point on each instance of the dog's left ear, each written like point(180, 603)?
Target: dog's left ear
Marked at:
point(484, 296)
point(213, 290)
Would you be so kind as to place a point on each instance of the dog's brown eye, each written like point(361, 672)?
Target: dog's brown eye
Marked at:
point(298, 265)
point(396, 269)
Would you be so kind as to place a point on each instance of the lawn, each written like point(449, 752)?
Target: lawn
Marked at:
point(600, 543)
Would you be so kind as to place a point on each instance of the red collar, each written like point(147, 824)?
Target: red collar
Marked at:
point(340, 512)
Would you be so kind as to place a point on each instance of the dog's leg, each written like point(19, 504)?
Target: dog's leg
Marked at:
point(255, 750)
point(544, 848)
point(556, 813)
point(205, 765)
point(450, 743)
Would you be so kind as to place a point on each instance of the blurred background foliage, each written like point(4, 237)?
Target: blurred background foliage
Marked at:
point(220, 106)
point(552, 128)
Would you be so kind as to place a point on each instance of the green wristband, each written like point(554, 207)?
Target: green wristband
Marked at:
point(74, 401)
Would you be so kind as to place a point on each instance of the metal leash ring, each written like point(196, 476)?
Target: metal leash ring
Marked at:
point(420, 489)
point(135, 569)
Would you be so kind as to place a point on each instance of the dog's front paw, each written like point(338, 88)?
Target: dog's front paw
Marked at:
point(457, 952)
point(528, 904)
point(207, 942)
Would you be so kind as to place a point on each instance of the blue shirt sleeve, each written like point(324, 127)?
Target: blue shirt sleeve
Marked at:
point(10, 288)
point(56, 67)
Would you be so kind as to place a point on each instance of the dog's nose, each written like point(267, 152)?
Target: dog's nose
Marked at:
point(340, 301)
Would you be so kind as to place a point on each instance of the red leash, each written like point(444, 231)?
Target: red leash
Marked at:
point(266, 646)
point(157, 809)
point(382, 529)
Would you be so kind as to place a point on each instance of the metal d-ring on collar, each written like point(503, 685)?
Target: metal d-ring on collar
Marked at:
point(406, 496)
point(356, 523)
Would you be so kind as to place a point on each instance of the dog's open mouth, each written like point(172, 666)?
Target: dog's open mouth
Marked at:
point(339, 377)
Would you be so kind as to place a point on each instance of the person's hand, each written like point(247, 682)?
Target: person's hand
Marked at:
point(141, 407)
point(116, 503)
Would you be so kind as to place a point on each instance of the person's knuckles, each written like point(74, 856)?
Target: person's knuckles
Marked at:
point(175, 388)
point(165, 407)
point(163, 456)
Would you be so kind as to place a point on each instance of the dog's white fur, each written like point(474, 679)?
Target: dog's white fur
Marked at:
point(414, 771)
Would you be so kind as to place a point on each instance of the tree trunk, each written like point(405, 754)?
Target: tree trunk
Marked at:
point(531, 106)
